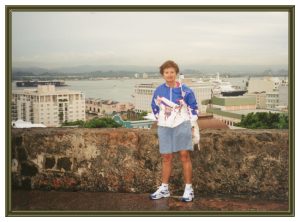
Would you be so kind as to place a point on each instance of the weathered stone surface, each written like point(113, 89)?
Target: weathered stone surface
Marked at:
point(49, 162)
point(251, 162)
point(36, 200)
point(28, 169)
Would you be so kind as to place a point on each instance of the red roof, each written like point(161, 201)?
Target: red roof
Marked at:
point(211, 123)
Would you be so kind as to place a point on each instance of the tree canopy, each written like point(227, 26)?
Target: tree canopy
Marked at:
point(94, 123)
point(264, 120)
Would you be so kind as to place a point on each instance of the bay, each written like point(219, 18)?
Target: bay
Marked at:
point(120, 90)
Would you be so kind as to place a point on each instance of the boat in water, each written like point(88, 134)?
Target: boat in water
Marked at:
point(223, 88)
point(35, 83)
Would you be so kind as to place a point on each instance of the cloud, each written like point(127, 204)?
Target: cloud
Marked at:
point(139, 38)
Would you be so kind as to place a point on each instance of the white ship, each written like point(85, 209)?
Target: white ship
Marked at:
point(223, 88)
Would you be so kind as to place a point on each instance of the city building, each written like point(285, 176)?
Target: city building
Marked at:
point(266, 84)
point(100, 107)
point(142, 96)
point(272, 100)
point(47, 106)
point(260, 99)
point(271, 93)
point(283, 91)
point(228, 117)
point(224, 108)
point(233, 103)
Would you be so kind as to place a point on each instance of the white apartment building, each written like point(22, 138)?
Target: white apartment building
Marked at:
point(143, 94)
point(273, 89)
point(48, 106)
point(260, 99)
point(278, 99)
point(266, 84)
point(272, 100)
point(283, 91)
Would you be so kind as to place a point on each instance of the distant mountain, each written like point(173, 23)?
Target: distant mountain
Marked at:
point(192, 69)
point(235, 69)
point(86, 69)
point(33, 70)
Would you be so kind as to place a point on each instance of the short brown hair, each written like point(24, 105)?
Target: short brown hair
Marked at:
point(168, 64)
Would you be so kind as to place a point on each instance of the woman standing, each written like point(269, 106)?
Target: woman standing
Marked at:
point(174, 106)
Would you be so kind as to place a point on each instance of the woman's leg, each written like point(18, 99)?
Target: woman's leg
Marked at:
point(166, 167)
point(187, 165)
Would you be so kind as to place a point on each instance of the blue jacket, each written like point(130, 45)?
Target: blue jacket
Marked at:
point(172, 99)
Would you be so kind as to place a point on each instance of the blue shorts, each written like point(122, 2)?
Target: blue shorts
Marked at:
point(175, 139)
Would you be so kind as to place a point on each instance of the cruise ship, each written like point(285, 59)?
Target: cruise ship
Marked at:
point(224, 88)
point(35, 83)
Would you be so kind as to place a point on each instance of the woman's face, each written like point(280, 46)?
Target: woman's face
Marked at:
point(170, 75)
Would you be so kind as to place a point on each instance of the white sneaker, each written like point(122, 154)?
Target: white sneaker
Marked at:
point(188, 195)
point(160, 193)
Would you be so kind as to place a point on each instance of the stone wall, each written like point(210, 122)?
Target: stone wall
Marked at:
point(230, 162)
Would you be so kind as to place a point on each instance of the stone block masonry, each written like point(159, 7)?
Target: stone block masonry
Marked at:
point(230, 162)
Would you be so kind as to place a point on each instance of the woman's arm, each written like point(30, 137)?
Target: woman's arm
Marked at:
point(154, 105)
point(191, 102)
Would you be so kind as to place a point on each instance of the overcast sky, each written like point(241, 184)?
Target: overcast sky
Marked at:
point(57, 39)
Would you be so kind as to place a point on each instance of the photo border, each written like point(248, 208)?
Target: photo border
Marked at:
point(150, 8)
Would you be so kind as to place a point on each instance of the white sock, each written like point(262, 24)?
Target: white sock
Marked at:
point(188, 186)
point(165, 185)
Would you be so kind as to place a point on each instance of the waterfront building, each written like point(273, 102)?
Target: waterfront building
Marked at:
point(143, 95)
point(35, 83)
point(47, 106)
point(233, 103)
point(283, 91)
point(235, 116)
point(260, 99)
point(100, 106)
point(224, 108)
point(275, 99)
point(272, 100)
point(266, 84)
point(229, 118)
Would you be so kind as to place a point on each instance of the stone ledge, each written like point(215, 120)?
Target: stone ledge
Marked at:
point(230, 162)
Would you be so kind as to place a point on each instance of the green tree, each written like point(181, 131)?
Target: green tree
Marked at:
point(264, 120)
point(94, 123)
point(102, 123)
point(283, 122)
point(79, 123)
